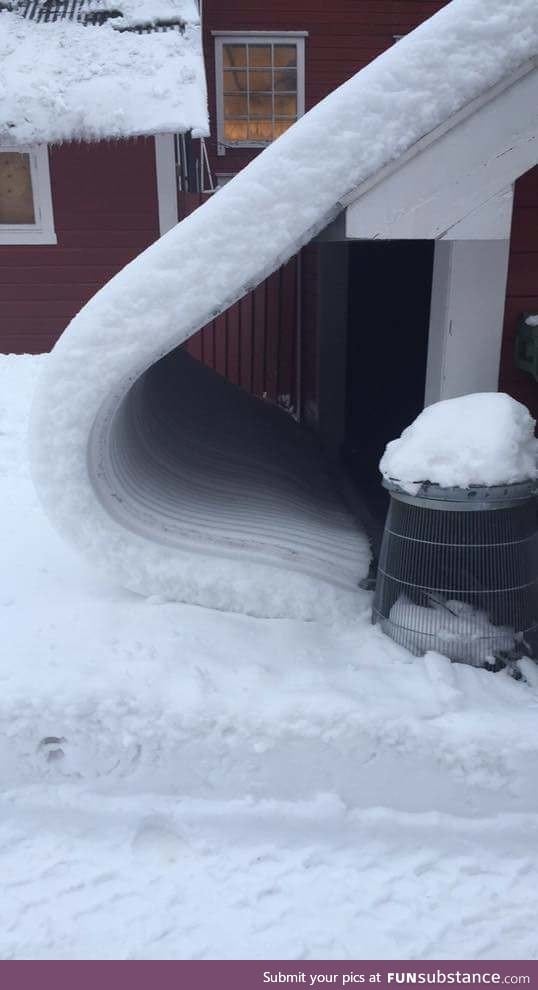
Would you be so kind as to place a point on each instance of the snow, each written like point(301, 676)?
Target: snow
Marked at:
point(459, 629)
point(64, 80)
point(486, 438)
point(182, 783)
point(241, 234)
point(198, 465)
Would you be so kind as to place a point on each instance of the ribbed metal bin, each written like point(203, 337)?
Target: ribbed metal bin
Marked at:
point(458, 572)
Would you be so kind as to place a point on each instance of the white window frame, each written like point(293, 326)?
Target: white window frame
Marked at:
point(42, 230)
point(237, 37)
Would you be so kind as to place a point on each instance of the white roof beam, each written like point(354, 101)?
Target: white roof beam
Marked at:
point(453, 183)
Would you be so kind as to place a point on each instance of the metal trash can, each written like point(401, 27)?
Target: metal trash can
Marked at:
point(458, 572)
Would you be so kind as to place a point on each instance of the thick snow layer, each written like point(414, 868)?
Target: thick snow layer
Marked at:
point(481, 439)
point(182, 783)
point(234, 240)
point(65, 80)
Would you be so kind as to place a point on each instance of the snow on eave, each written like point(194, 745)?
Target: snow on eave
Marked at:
point(455, 179)
point(479, 100)
point(68, 80)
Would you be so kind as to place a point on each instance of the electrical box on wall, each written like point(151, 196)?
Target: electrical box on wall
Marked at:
point(526, 356)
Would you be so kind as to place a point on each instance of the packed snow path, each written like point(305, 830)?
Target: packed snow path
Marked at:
point(166, 517)
point(182, 783)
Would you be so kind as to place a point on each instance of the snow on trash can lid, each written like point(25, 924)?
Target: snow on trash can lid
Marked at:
point(483, 439)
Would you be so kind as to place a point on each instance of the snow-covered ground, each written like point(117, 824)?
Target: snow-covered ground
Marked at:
point(177, 782)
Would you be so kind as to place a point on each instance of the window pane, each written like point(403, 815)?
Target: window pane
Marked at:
point(260, 106)
point(259, 55)
point(286, 106)
point(235, 81)
point(16, 200)
point(260, 81)
point(281, 126)
point(286, 79)
point(285, 55)
point(260, 130)
point(234, 55)
point(235, 130)
point(235, 106)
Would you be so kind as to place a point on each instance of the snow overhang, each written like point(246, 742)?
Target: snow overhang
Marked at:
point(94, 70)
point(456, 181)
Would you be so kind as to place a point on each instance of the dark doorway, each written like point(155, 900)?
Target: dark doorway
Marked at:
point(388, 316)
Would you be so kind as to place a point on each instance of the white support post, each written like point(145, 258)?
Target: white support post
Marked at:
point(165, 163)
point(466, 319)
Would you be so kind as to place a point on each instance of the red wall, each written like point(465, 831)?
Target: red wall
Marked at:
point(522, 291)
point(105, 211)
point(309, 357)
point(254, 343)
point(343, 36)
point(105, 201)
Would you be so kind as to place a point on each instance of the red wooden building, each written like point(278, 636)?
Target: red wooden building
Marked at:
point(358, 329)
point(368, 313)
point(98, 98)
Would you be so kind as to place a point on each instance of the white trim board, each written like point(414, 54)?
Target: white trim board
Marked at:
point(165, 164)
point(259, 34)
point(42, 231)
point(455, 173)
point(466, 318)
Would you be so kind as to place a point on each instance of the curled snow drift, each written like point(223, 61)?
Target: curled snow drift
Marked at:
point(481, 439)
point(127, 442)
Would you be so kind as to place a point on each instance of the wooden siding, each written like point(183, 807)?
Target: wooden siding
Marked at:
point(522, 290)
point(105, 211)
point(343, 36)
point(309, 398)
point(254, 343)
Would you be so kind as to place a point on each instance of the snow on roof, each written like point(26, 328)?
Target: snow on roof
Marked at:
point(93, 69)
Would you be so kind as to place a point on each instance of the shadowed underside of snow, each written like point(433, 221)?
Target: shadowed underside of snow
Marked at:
point(201, 465)
point(181, 496)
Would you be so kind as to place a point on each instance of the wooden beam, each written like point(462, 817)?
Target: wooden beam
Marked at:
point(454, 175)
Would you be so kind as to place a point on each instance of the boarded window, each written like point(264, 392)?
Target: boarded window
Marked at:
point(16, 196)
point(259, 90)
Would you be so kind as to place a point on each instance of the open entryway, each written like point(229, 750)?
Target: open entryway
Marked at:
point(389, 293)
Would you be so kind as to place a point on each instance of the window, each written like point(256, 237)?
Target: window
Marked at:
point(25, 197)
point(260, 87)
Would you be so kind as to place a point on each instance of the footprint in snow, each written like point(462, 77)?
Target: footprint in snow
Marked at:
point(51, 747)
point(159, 840)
